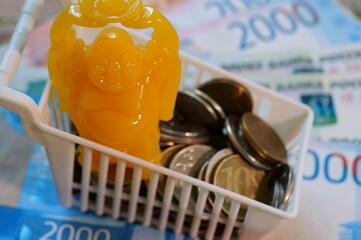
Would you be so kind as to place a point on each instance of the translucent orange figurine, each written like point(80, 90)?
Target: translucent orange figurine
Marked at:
point(114, 90)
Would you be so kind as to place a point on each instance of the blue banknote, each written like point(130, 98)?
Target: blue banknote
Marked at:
point(331, 194)
point(272, 25)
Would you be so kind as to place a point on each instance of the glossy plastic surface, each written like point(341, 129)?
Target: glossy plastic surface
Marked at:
point(114, 90)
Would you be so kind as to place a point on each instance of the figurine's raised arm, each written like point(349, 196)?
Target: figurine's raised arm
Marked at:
point(162, 48)
point(115, 90)
point(66, 49)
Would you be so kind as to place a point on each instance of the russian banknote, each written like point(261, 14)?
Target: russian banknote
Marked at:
point(330, 196)
point(336, 59)
point(334, 98)
point(216, 27)
point(162, 4)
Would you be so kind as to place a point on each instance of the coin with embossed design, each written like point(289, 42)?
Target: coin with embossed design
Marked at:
point(188, 161)
point(167, 156)
point(234, 174)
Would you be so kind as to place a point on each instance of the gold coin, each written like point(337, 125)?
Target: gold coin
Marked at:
point(234, 174)
point(263, 139)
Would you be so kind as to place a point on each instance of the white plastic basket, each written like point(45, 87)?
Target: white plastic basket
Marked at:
point(291, 120)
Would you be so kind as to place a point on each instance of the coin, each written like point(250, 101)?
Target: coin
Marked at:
point(218, 140)
point(232, 96)
point(202, 171)
point(166, 144)
point(286, 177)
point(180, 131)
point(239, 144)
point(288, 183)
point(234, 174)
point(177, 126)
point(276, 193)
point(188, 161)
point(170, 139)
point(216, 158)
point(196, 110)
point(263, 139)
point(217, 108)
point(167, 156)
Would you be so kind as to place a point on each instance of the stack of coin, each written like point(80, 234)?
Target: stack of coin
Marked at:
point(227, 169)
point(244, 154)
point(256, 141)
point(200, 113)
point(179, 131)
point(215, 137)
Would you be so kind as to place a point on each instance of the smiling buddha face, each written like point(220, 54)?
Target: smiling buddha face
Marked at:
point(115, 62)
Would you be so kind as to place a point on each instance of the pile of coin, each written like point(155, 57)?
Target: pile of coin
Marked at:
point(215, 137)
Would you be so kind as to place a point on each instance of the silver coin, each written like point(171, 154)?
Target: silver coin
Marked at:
point(166, 144)
point(169, 153)
point(287, 180)
point(281, 196)
point(207, 172)
point(167, 156)
point(232, 96)
point(184, 140)
point(181, 128)
point(281, 181)
point(234, 134)
point(202, 171)
point(196, 110)
point(188, 161)
point(276, 194)
point(195, 190)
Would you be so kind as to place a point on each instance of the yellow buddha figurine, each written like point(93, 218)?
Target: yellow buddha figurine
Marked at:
point(114, 90)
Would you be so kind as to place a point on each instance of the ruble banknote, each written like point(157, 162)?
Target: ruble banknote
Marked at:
point(208, 28)
point(330, 198)
point(338, 59)
point(335, 100)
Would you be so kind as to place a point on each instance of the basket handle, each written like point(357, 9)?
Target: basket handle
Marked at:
point(19, 38)
point(20, 104)
point(11, 99)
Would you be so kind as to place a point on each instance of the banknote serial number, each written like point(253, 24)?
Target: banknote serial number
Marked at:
point(281, 20)
point(69, 232)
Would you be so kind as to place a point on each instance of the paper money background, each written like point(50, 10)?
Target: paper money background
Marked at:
point(307, 50)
